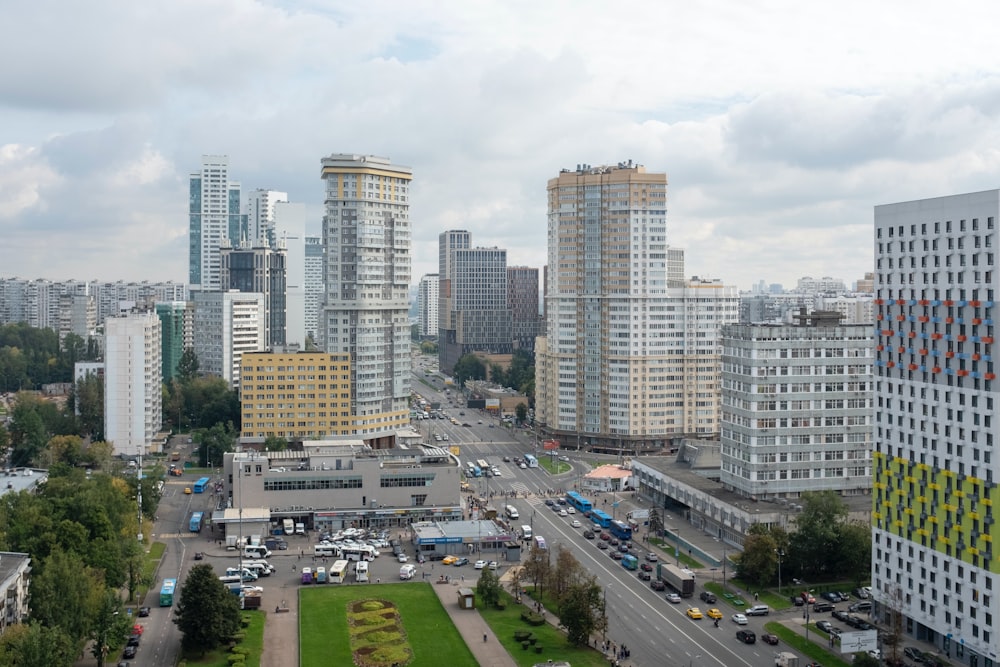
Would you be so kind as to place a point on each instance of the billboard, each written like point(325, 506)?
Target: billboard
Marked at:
point(859, 642)
point(550, 444)
point(492, 403)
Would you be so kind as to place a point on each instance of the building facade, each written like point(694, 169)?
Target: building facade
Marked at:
point(522, 300)
point(259, 268)
point(427, 305)
point(935, 459)
point(796, 408)
point(365, 313)
point(315, 258)
point(448, 243)
point(214, 215)
point(133, 382)
point(175, 323)
point(15, 580)
point(259, 208)
point(227, 325)
point(295, 396)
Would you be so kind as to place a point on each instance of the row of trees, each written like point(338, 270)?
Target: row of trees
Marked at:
point(31, 357)
point(520, 375)
point(825, 545)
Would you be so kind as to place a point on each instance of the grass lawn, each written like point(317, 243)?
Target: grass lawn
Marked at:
point(325, 640)
point(152, 559)
point(553, 642)
point(253, 642)
point(686, 560)
point(555, 467)
point(800, 643)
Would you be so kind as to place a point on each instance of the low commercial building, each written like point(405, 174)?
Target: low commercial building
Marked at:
point(330, 485)
point(481, 538)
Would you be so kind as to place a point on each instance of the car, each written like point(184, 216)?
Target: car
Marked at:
point(571, 510)
point(746, 636)
point(657, 585)
point(864, 605)
point(575, 523)
point(768, 638)
point(623, 548)
point(129, 652)
point(614, 542)
point(143, 612)
point(448, 560)
point(797, 601)
point(673, 597)
point(645, 576)
point(739, 619)
point(714, 613)
point(758, 610)
point(550, 502)
point(496, 473)
point(914, 654)
point(187, 492)
point(436, 555)
point(861, 593)
point(708, 596)
point(651, 557)
point(832, 596)
point(460, 562)
point(461, 414)
point(606, 536)
point(841, 616)
point(480, 421)
point(558, 510)
point(589, 534)
point(137, 629)
point(602, 545)
point(844, 597)
point(694, 612)
point(615, 555)
point(522, 466)
point(646, 567)
point(825, 626)
point(123, 664)
point(506, 459)
point(820, 607)
point(493, 565)
point(808, 597)
point(480, 564)
point(134, 640)
point(563, 513)
point(836, 632)
point(401, 558)
point(561, 501)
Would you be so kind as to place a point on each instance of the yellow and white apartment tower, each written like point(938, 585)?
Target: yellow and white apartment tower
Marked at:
point(367, 236)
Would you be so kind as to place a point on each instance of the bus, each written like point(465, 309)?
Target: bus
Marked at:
point(472, 470)
point(483, 465)
point(326, 550)
point(621, 530)
point(540, 542)
point(530, 461)
point(579, 502)
point(602, 519)
point(338, 572)
point(630, 562)
point(195, 525)
point(201, 485)
point(360, 553)
point(167, 592)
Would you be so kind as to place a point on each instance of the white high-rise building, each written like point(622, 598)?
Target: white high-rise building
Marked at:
point(427, 305)
point(227, 324)
point(936, 461)
point(315, 258)
point(133, 392)
point(214, 214)
point(367, 235)
point(260, 207)
point(290, 233)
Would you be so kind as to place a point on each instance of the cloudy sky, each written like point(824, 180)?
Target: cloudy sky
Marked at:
point(780, 124)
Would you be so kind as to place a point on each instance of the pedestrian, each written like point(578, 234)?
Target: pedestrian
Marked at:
point(484, 638)
point(756, 597)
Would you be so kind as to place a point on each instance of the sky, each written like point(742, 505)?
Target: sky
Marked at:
point(779, 124)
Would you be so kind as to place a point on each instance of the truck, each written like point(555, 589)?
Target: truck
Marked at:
point(676, 578)
point(786, 659)
point(289, 526)
point(638, 517)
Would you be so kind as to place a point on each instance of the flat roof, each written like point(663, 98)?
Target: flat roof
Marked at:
point(21, 479)
point(609, 470)
point(431, 532)
point(11, 562)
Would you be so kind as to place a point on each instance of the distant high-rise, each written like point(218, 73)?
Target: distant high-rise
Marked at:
point(427, 305)
point(260, 205)
point(315, 257)
point(176, 318)
point(448, 243)
point(259, 268)
point(368, 237)
point(227, 324)
point(214, 213)
point(522, 299)
point(133, 384)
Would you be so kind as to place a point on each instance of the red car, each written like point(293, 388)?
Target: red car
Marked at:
point(768, 638)
point(605, 536)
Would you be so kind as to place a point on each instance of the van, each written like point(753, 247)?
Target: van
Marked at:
point(526, 532)
point(407, 571)
point(361, 571)
point(511, 512)
point(289, 526)
point(300, 529)
point(758, 610)
point(256, 552)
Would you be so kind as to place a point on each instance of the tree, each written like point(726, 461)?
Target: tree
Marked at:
point(187, 366)
point(581, 611)
point(536, 568)
point(521, 412)
point(207, 613)
point(274, 443)
point(34, 645)
point(497, 374)
point(28, 436)
point(469, 367)
point(567, 571)
point(864, 660)
point(488, 589)
point(66, 595)
point(110, 626)
point(66, 449)
point(4, 441)
point(89, 398)
point(758, 563)
point(655, 522)
point(814, 551)
point(855, 557)
point(214, 443)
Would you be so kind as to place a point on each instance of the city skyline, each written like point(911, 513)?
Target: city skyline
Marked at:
point(778, 139)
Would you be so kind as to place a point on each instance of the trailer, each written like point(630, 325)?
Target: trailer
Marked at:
point(786, 659)
point(676, 578)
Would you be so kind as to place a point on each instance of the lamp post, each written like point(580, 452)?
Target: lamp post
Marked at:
point(780, 554)
point(604, 610)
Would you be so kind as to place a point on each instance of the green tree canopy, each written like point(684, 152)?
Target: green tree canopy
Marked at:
point(34, 645)
point(488, 588)
point(66, 595)
point(469, 367)
point(207, 613)
point(581, 610)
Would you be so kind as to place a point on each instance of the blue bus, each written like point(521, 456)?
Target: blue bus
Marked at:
point(195, 526)
point(167, 592)
point(602, 519)
point(201, 485)
point(621, 530)
point(579, 502)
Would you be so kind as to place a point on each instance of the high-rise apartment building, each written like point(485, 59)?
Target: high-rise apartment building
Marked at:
point(365, 313)
point(259, 209)
point(214, 214)
point(604, 361)
point(227, 325)
point(295, 395)
point(176, 324)
point(522, 300)
point(796, 408)
point(290, 237)
point(133, 384)
point(428, 292)
point(448, 243)
point(315, 258)
point(935, 460)
point(259, 268)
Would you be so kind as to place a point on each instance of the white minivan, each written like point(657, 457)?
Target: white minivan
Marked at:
point(406, 571)
point(256, 552)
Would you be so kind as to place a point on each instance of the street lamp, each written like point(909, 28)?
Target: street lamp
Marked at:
point(781, 555)
point(604, 610)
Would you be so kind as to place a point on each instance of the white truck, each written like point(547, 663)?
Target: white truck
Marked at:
point(289, 526)
point(786, 659)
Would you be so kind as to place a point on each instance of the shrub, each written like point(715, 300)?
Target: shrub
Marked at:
point(525, 645)
point(235, 660)
point(538, 649)
point(532, 618)
point(521, 635)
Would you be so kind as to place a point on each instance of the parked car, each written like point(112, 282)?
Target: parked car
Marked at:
point(129, 652)
point(480, 564)
point(821, 607)
point(808, 597)
point(746, 636)
point(461, 561)
point(860, 593)
point(435, 555)
point(914, 654)
point(449, 560)
point(143, 612)
point(831, 596)
point(841, 616)
point(768, 638)
point(825, 626)
point(493, 565)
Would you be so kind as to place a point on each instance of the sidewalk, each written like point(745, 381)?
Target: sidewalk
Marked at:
point(473, 628)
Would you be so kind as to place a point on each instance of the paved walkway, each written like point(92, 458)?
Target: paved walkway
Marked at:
point(473, 628)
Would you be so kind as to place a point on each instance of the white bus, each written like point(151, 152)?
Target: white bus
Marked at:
point(358, 553)
point(361, 571)
point(540, 542)
point(327, 550)
point(526, 532)
point(259, 567)
point(338, 572)
point(530, 461)
point(483, 465)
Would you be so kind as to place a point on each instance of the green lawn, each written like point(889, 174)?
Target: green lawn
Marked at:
point(556, 467)
point(669, 548)
point(253, 642)
point(323, 631)
point(800, 643)
point(553, 642)
point(152, 559)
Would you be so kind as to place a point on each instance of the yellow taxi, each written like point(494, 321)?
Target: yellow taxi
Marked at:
point(713, 613)
point(694, 612)
point(187, 490)
point(448, 560)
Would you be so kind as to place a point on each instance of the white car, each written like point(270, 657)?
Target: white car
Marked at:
point(402, 558)
point(575, 523)
point(480, 564)
point(522, 466)
point(571, 510)
point(493, 565)
point(739, 619)
point(673, 597)
point(563, 513)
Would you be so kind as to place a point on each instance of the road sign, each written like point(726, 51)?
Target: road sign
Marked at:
point(859, 642)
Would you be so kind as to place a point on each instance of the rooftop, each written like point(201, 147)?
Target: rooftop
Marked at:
point(21, 479)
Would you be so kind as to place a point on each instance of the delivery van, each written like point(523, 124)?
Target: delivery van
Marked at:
point(407, 571)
